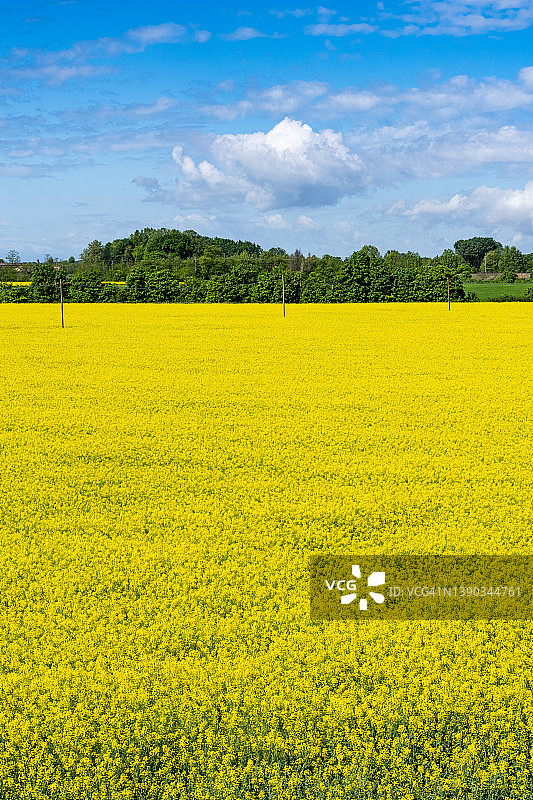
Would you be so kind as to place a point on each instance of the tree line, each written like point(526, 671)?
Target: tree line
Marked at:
point(164, 266)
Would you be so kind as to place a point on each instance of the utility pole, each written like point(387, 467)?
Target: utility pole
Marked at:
point(61, 298)
point(283, 291)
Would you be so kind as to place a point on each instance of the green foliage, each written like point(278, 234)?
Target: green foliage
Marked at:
point(491, 261)
point(45, 283)
point(136, 283)
point(473, 250)
point(160, 285)
point(511, 262)
point(493, 290)
point(267, 287)
point(164, 266)
point(211, 262)
point(8, 273)
point(93, 256)
point(86, 286)
point(193, 290)
point(13, 257)
point(14, 294)
point(152, 246)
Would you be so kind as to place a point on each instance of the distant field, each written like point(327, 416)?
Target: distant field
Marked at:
point(489, 290)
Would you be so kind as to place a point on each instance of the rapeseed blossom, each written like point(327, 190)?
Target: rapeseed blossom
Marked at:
point(166, 473)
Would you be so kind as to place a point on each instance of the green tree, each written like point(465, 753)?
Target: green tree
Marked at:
point(45, 283)
point(86, 286)
point(93, 256)
point(491, 261)
point(211, 262)
point(136, 284)
point(473, 250)
point(511, 262)
point(161, 285)
point(13, 257)
point(454, 263)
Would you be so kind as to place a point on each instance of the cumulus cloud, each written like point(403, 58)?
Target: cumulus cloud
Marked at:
point(485, 205)
point(290, 165)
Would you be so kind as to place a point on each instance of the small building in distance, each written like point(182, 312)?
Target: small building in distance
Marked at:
point(493, 276)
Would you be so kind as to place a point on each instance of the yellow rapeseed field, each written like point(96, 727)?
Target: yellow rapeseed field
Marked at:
point(166, 473)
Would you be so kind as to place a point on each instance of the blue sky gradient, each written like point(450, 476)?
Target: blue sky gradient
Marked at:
point(405, 125)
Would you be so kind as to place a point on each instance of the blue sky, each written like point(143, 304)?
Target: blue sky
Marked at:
point(402, 124)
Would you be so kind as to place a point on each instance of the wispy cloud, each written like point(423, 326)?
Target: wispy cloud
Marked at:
point(443, 100)
point(325, 14)
point(341, 29)
point(244, 35)
point(295, 12)
point(56, 74)
point(59, 66)
point(460, 18)
point(161, 105)
point(286, 98)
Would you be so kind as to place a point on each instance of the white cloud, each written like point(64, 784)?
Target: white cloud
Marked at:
point(290, 165)
point(285, 98)
point(162, 104)
point(323, 29)
point(56, 74)
point(325, 14)
point(296, 12)
point(197, 220)
point(243, 35)
point(461, 93)
point(57, 67)
point(444, 100)
point(463, 17)
point(307, 223)
point(351, 100)
point(166, 33)
point(275, 221)
point(423, 151)
point(512, 208)
point(280, 222)
point(526, 76)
